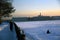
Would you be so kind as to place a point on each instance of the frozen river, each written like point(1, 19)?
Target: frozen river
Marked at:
point(37, 30)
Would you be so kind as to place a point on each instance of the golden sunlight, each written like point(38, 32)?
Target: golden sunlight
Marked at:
point(37, 12)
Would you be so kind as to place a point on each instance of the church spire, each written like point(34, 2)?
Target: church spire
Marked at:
point(40, 14)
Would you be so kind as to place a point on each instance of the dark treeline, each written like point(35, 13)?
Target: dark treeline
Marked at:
point(38, 18)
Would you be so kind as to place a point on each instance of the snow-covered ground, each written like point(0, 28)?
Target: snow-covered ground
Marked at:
point(6, 33)
point(37, 30)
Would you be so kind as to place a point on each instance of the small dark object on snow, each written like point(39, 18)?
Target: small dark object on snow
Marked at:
point(48, 32)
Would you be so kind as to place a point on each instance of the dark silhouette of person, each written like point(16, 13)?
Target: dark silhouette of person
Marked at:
point(48, 32)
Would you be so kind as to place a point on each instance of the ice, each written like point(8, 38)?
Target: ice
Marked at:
point(37, 30)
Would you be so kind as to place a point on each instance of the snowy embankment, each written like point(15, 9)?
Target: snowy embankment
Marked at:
point(37, 30)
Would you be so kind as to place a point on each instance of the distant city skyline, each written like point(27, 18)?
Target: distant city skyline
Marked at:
point(31, 8)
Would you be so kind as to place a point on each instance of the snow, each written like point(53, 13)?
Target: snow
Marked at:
point(6, 33)
point(36, 30)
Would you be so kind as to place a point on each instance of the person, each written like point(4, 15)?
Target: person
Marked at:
point(48, 32)
point(10, 31)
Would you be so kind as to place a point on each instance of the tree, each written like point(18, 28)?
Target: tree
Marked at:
point(6, 7)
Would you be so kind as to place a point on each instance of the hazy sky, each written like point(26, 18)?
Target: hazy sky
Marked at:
point(34, 7)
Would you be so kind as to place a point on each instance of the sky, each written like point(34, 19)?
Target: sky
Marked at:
point(30, 8)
